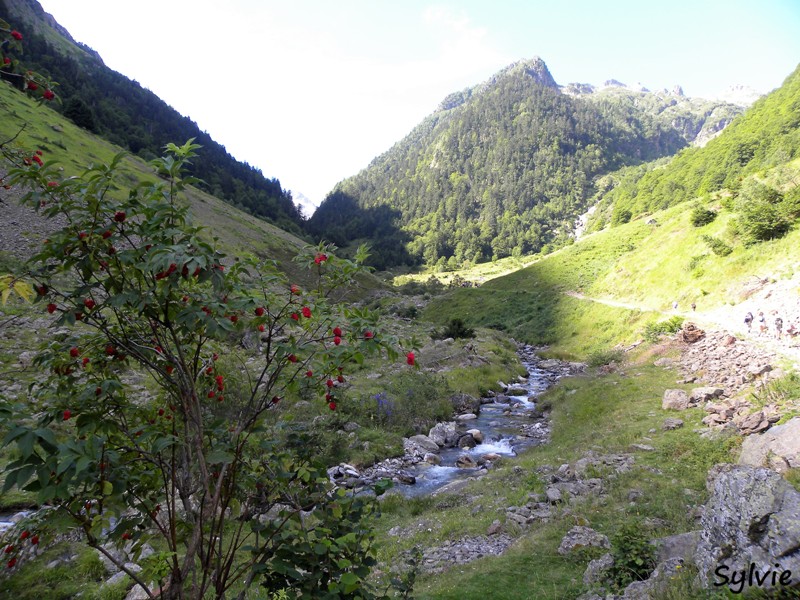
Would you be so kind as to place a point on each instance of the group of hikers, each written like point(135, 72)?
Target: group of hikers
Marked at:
point(763, 326)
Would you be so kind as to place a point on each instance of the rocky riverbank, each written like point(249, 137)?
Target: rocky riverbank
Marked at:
point(482, 431)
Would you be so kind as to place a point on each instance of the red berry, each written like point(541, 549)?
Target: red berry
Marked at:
point(16, 35)
point(295, 289)
point(41, 290)
point(89, 303)
point(275, 399)
point(209, 370)
point(337, 340)
point(98, 391)
point(6, 60)
point(110, 350)
point(219, 379)
point(170, 369)
point(83, 235)
point(292, 358)
point(211, 393)
point(9, 549)
point(340, 379)
point(260, 311)
point(74, 352)
point(261, 328)
point(85, 361)
point(337, 331)
point(220, 399)
point(126, 536)
point(309, 373)
point(78, 316)
point(25, 534)
point(51, 308)
point(332, 405)
point(306, 312)
point(106, 234)
point(368, 335)
point(52, 184)
point(12, 562)
point(329, 383)
point(295, 316)
point(233, 318)
point(160, 412)
point(119, 216)
point(67, 414)
point(410, 358)
point(35, 540)
point(48, 95)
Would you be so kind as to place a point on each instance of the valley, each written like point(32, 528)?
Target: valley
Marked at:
point(202, 397)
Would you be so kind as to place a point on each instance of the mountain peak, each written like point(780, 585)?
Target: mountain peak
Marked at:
point(533, 67)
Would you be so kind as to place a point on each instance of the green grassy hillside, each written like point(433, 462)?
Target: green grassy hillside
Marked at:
point(647, 264)
point(39, 127)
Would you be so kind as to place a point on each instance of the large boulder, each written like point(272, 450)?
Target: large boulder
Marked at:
point(751, 521)
point(582, 537)
point(675, 400)
point(691, 333)
point(778, 448)
point(424, 442)
point(467, 441)
point(444, 434)
point(705, 394)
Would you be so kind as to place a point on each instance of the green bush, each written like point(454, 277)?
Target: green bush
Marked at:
point(653, 331)
point(695, 261)
point(634, 555)
point(455, 329)
point(717, 246)
point(702, 216)
point(764, 214)
point(605, 357)
point(412, 403)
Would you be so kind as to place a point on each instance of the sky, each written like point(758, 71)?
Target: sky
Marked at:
point(310, 91)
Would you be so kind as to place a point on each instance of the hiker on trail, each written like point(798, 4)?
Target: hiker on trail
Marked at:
point(694, 307)
point(762, 323)
point(748, 320)
point(675, 305)
point(778, 326)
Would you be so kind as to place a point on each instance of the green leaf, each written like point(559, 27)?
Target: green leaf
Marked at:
point(107, 488)
point(25, 444)
point(219, 456)
point(24, 474)
point(11, 481)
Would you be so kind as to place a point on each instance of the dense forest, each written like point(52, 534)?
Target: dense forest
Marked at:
point(122, 111)
point(768, 134)
point(501, 169)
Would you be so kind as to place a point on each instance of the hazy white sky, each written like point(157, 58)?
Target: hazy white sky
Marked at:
point(309, 91)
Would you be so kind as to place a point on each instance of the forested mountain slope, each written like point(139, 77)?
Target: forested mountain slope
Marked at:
point(499, 169)
point(123, 112)
point(765, 136)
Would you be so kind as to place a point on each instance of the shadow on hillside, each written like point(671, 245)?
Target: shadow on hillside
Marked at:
point(340, 220)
